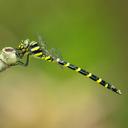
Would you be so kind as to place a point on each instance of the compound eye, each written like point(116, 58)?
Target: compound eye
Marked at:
point(21, 46)
point(26, 42)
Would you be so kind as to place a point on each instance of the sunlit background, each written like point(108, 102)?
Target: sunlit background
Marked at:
point(92, 34)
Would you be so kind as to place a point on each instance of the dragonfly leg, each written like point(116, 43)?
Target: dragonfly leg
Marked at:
point(22, 63)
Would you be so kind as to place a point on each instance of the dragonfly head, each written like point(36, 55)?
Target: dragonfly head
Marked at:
point(22, 48)
point(24, 45)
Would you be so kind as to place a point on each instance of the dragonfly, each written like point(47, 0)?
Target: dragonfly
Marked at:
point(38, 50)
point(9, 58)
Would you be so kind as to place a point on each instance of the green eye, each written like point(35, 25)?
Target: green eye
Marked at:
point(21, 46)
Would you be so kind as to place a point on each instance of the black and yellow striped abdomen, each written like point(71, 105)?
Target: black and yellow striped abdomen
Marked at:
point(89, 75)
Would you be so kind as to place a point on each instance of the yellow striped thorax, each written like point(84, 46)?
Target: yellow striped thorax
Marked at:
point(38, 54)
point(35, 48)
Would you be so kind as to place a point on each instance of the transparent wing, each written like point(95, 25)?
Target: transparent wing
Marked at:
point(52, 52)
point(43, 45)
point(55, 53)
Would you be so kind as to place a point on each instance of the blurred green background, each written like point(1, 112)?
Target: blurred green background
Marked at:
point(91, 34)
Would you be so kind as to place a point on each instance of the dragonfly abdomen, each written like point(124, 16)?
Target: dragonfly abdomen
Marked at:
point(89, 75)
